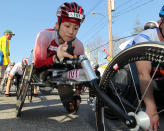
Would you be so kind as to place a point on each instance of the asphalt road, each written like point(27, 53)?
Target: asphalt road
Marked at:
point(45, 113)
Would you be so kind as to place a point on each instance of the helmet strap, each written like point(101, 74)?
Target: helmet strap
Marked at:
point(59, 36)
point(59, 22)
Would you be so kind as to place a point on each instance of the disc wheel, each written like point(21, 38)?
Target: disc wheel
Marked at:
point(126, 96)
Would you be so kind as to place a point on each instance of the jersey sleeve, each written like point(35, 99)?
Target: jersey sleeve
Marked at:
point(40, 50)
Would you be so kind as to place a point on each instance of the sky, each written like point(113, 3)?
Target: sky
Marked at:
point(26, 18)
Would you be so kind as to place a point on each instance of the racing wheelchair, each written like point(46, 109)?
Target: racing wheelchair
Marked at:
point(65, 77)
point(109, 97)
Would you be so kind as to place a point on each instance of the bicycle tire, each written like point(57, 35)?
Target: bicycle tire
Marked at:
point(149, 51)
point(23, 89)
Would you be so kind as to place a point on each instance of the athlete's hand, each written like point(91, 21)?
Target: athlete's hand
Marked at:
point(61, 52)
point(154, 118)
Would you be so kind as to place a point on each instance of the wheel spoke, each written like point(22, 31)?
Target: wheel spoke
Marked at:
point(134, 84)
point(127, 97)
point(118, 96)
point(147, 88)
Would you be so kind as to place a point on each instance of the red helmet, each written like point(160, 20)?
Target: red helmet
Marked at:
point(25, 61)
point(71, 12)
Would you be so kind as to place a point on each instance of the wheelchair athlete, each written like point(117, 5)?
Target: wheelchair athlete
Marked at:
point(16, 71)
point(144, 68)
point(51, 44)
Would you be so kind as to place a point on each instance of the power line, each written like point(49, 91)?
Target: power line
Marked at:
point(132, 9)
point(128, 7)
point(96, 5)
point(95, 32)
point(114, 41)
point(92, 28)
point(123, 4)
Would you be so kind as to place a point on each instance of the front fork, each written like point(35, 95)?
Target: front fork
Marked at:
point(91, 76)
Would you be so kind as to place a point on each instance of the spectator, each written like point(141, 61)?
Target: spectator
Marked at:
point(95, 68)
point(4, 44)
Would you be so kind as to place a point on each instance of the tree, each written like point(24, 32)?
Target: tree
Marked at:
point(94, 51)
point(137, 28)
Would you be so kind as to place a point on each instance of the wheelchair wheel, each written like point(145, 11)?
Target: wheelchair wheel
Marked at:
point(23, 89)
point(66, 96)
point(126, 96)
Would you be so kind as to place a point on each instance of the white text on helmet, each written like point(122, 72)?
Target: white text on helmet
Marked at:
point(75, 15)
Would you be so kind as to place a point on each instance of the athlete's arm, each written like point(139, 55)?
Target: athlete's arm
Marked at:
point(40, 51)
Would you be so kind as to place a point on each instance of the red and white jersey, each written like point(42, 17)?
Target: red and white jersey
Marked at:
point(46, 46)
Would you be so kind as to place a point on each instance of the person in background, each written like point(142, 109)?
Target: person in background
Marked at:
point(95, 68)
point(6, 74)
point(17, 71)
point(10, 66)
point(4, 44)
point(8, 69)
point(97, 72)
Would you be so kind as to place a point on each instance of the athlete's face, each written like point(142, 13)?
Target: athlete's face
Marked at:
point(161, 25)
point(68, 31)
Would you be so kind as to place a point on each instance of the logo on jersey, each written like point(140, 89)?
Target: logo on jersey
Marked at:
point(52, 48)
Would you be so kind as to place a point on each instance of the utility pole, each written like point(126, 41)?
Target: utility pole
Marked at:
point(110, 29)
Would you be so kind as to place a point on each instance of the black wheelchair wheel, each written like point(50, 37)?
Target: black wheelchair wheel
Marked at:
point(66, 97)
point(23, 89)
point(126, 96)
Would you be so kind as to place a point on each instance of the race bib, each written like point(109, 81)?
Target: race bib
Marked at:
point(73, 74)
